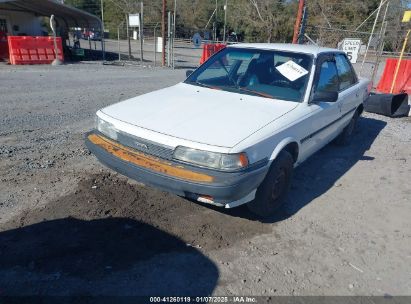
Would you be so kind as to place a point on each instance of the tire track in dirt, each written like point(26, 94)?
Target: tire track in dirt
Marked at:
point(107, 195)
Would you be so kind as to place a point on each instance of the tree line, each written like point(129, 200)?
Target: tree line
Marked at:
point(257, 20)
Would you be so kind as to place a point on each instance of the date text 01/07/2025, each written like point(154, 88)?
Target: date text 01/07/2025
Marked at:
point(233, 299)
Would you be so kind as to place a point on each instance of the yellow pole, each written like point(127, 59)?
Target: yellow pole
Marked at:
point(399, 62)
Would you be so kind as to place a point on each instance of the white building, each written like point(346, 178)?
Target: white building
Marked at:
point(17, 23)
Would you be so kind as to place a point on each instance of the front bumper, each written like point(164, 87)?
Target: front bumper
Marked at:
point(184, 180)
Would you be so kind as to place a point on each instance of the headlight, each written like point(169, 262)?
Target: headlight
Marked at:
point(106, 128)
point(211, 159)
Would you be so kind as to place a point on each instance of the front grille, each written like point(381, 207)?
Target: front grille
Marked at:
point(145, 146)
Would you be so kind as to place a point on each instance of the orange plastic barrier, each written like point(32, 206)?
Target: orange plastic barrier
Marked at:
point(34, 50)
point(209, 50)
point(4, 46)
point(403, 82)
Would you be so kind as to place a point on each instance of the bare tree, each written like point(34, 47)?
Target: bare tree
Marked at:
point(266, 19)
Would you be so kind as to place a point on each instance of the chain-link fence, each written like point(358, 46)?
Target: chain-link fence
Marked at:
point(333, 38)
point(129, 45)
point(181, 51)
point(147, 50)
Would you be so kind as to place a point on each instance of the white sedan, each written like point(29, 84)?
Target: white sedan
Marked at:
point(234, 130)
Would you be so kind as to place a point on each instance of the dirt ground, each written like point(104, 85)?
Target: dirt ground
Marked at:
point(69, 226)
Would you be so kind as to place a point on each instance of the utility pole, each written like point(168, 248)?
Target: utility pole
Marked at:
point(103, 47)
point(141, 34)
point(216, 18)
point(297, 25)
point(169, 27)
point(128, 37)
point(102, 12)
point(174, 29)
point(155, 44)
point(225, 18)
point(301, 33)
point(163, 32)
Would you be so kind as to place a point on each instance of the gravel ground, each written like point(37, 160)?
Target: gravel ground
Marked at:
point(69, 226)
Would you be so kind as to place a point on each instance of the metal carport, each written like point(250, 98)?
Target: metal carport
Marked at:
point(66, 16)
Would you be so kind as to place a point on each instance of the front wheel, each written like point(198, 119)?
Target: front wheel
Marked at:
point(272, 191)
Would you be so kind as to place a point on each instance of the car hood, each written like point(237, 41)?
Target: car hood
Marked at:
point(198, 114)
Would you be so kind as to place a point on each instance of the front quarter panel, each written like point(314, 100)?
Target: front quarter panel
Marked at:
point(269, 141)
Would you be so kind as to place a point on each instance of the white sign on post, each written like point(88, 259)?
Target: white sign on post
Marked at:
point(159, 45)
point(134, 20)
point(351, 47)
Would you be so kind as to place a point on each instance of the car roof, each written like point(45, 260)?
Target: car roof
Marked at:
point(288, 47)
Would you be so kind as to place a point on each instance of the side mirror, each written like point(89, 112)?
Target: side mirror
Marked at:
point(325, 97)
point(189, 72)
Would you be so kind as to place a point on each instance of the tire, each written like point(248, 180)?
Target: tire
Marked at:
point(274, 188)
point(346, 135)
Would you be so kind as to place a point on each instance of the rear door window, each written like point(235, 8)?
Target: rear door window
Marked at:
point(345, 72)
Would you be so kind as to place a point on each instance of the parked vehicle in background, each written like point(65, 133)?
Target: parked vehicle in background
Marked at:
point(232, 37)
point(233, 131)
point(92, 35)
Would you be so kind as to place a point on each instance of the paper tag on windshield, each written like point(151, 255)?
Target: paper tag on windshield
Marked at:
point(291, 70)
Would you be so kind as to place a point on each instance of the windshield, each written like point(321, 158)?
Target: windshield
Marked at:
point(265, 73)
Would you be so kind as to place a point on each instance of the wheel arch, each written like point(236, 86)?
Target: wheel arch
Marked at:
point(288, 144)
point(360, 109)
